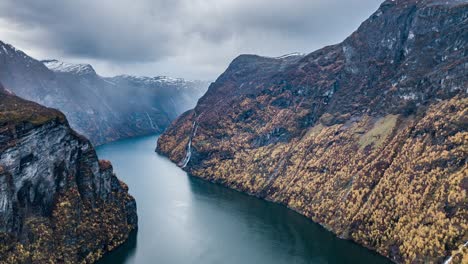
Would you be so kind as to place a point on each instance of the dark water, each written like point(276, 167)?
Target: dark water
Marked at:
point(186, 220)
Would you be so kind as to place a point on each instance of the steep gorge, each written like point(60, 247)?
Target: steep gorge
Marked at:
point(367, 137)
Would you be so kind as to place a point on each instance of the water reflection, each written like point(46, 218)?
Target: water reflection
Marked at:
point(187, 220)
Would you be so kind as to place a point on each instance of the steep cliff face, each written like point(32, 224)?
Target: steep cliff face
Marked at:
point(57, 201)
point(367, 137)
point(102, 109)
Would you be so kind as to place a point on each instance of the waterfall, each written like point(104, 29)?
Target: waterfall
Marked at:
point(150, 120)
point(188, 154)
point(449, 260)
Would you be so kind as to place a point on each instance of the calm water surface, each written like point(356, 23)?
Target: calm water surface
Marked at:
point(183, 219)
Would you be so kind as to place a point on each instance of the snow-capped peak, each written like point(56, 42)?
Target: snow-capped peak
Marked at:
point(60, 66)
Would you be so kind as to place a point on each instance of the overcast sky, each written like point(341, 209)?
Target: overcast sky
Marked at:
point(194, 39)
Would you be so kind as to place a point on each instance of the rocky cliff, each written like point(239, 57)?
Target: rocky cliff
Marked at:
point(58, 202)
point(102, 109)
point(367, 137)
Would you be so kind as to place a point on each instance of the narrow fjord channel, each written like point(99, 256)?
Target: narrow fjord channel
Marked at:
point(183, 219)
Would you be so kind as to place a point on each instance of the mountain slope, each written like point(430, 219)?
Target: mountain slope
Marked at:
point(103, 109)
point(57, 201)
point(367, 137)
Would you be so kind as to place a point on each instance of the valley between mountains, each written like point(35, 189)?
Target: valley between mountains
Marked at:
point(104, 109)
point(367, 137)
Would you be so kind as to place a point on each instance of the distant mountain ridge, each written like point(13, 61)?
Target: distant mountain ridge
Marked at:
point(101, 108)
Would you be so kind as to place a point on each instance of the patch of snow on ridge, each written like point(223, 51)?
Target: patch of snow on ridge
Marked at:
point(59, 66)
point(294, 54)
point(9, 49)
point(282, 57)
point(152, 80)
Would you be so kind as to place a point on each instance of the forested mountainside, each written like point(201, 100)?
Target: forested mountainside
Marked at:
point(367, 137)
point(58, 202)
point(102, 109)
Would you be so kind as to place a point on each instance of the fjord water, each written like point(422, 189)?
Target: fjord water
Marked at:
point(183, 219)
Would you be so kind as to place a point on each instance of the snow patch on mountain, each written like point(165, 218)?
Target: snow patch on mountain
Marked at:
point(294, 54)
point(60, 66)
point(157, 81)
point(151, 80)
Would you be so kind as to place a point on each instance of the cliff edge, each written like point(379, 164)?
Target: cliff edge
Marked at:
point(58, 202)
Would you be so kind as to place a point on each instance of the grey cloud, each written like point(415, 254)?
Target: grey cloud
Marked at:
point(97, 29)
point(190, 37)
